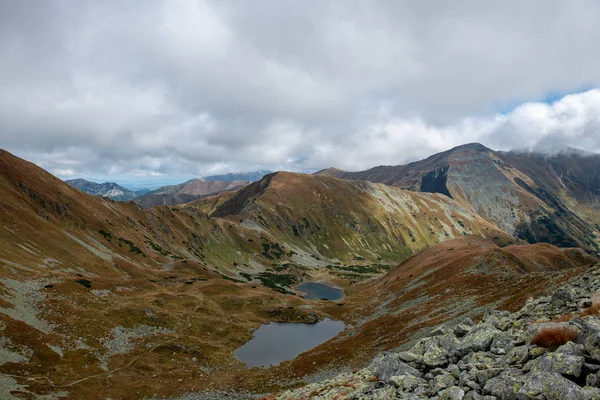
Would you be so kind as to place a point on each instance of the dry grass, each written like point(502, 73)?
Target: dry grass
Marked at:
point(594, 309)
point(563, 318)
point(551, 338)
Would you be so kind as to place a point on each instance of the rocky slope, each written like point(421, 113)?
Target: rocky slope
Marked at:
point(106, 189)
point(549, 349)
point(538, 198)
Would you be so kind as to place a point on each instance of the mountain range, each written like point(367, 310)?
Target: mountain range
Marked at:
point(536, 197)
point(96, 292)
point(171, 194)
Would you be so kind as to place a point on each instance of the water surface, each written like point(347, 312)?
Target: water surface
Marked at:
point(281, 341)
point(317, 290)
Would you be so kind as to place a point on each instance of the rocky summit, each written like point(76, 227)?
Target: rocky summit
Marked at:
point(549, 349)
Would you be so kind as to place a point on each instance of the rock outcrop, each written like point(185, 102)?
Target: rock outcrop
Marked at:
point(494, 359)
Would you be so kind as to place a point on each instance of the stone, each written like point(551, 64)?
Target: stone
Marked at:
point(441, 382)
point(464, 327)
point(452, 393)
point(501, 344)
point(479, 339)
point(562, 296)
point(518, 355)
point(584, 303)
point(549, 385)
point(406, 383)
point(589, 335)
point(593, 380)
point(386, 365)
point(560, 363)
point(503, 387)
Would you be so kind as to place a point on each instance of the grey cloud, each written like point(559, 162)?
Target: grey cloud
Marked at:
point(187, 87)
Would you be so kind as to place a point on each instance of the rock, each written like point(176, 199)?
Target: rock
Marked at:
point(386, 365)
point(589, 335)
point(452, 393)
point(560, 363)
point(518, 355)
point(406, 383)
point(593, 380)
point(407, 356)
point(584, 303)
point(484, 375)
point(479, 339)
point(442, 382)
point(503, 387)
point(464, 327)
point(501, 344)
point(472, 395)
point(549, 385)
point(561, 297)
point(591, 393)
point(433, 354)
point(571, 348)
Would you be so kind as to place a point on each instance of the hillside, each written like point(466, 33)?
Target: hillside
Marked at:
point(538, 198)
point(188, 191)
point(545, 350)
point(95, 292)
point(106, 189)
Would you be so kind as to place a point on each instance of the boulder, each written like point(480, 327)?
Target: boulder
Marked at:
point(452, 393)
point(549, 385)
point(387, 365)
point(479, 339)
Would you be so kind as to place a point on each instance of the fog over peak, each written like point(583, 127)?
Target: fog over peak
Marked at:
point(191, 88)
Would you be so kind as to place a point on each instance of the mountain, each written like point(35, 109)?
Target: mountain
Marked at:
point(252, 176)
point(540, 198)
point(94, 292)
point(188, 191)
point(106, 189)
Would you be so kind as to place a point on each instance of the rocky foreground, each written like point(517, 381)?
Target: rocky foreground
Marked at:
point(494, 359)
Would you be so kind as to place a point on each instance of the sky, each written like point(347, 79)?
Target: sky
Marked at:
point(168, 90)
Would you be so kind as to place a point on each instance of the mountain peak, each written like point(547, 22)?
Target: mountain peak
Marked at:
point(470, 147)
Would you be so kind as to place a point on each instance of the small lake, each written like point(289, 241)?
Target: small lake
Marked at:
point(281, 341)
point(320, 291)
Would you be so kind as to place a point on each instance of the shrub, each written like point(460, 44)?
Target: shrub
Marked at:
point(553, 337)
point(594, 309)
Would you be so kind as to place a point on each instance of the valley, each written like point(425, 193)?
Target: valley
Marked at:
point(96, 292)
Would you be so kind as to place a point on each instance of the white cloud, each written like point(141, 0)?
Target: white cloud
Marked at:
point(190, 87)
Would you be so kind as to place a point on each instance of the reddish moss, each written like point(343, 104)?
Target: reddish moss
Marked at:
point(551, 338)
point(594, 309)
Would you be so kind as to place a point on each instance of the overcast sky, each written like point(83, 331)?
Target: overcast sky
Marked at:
point(177, 88)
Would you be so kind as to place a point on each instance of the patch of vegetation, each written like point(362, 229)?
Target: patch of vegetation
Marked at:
point(295, 230)
point(106, 235)
point(552, 338)
point(278, 282)
point(229, 278)
point(157, 248)
point(247, 276)
point(361, 269)
point(132, 248)
point(84, 282)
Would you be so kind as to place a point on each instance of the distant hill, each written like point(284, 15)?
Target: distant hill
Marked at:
point(553, 198)
point(252, 176)
point(189, 191)
point(106, 189)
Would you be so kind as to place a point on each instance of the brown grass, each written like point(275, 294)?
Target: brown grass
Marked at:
point(594, 309)
point(563, 318)
point(551, 338)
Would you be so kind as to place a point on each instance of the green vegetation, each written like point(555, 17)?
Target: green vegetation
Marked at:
point(132, 248)
point(106, 235)
point(84, 282)
point(278, 282)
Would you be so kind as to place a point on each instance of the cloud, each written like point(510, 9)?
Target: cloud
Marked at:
point(186, 87)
